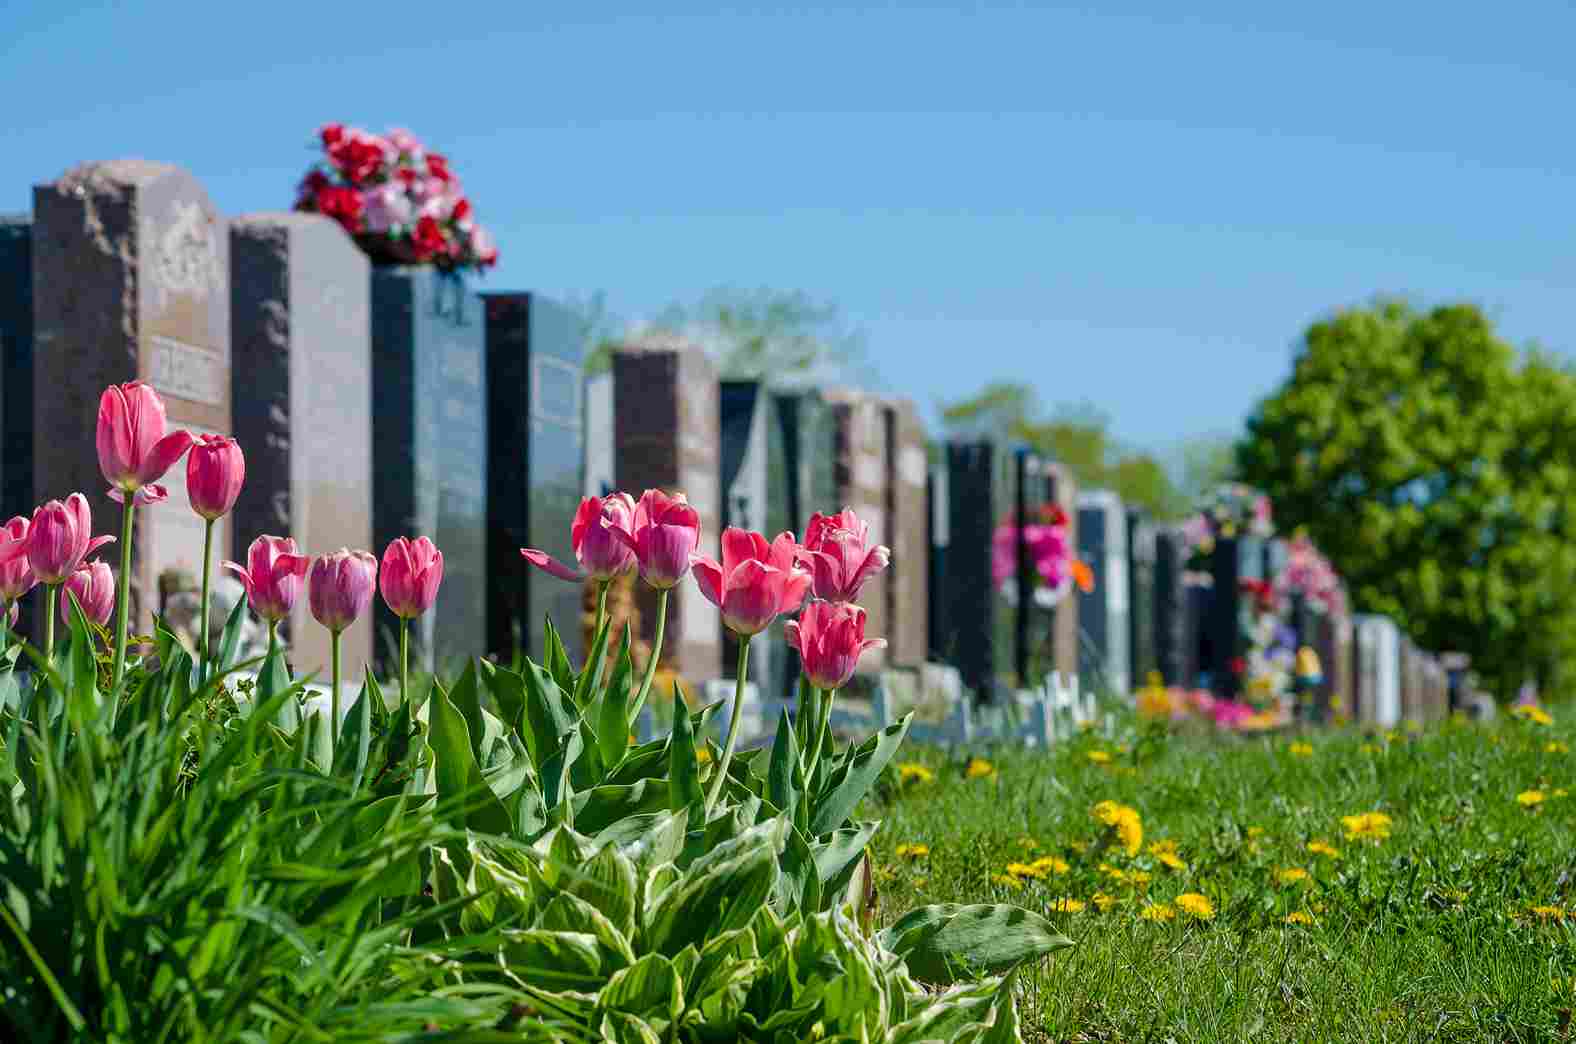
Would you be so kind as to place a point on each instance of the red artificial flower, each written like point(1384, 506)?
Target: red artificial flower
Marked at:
point(461, 209)
point(438, 166)
point(344, 205)
point(358, 158)
point(427, 238)
point(1238, 665)
point(331, 133)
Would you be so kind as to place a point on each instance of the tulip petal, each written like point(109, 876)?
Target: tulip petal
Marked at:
point(791, 635)
point(872, 643)
point(550, 565)
point(96, 543)
point(163, 456)
point(794, 589)
point(741, 545)
point(150, 494)
point(240, 574)
point(113, 437)
point(877, 560)
point(708, 577)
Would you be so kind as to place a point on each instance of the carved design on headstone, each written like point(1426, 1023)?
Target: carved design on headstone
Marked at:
point(184, 253)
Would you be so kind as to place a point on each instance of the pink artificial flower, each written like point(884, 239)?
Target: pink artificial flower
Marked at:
point(411, 573)
point(664, 532)
point(830, 636)
point(94, 585)
point(59, 538)
point(755, 582)
point(272, 576)
point(600, 538)
point(133, 450)
point(16, 573)
point(837, 549)
point(387, 206)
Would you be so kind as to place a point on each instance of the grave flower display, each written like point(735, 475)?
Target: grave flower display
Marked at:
point(1310, 576)
point(1054, 569)
point(397, 198)
point(1230, 510)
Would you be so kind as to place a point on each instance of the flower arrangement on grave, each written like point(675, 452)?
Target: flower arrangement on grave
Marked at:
point(1308, 575)
point(1054, 569)
point(399, 200)
point(1230, 510)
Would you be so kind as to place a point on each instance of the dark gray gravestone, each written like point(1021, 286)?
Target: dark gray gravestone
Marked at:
point(300, 313)
point(16, 366)
point(1168, 619)
point(1103, 611)
point(1141, 596)
point(803, 482)
point(939, 536)
point(744, 423)
point(535, 439)
point(130, 280)
point(1222, 641)
point(968, 601)
point(429, 457)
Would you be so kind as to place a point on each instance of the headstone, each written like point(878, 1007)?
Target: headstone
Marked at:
point(599, 437)
point(1067, 629)
point(747, 438)
point(860, 475)
point(936, 504)
point(665, 435)
point(429, 438)
point(908, 588)
point(1455, 666)
point(130, 281)
point(1168, 612)
point(1378, 671)
point(16, 366)
point(802, 483)
point(967, 603)
point(301, 384)
point(1140, 597)
point(535, 440)
point(1232, 560)
point(1103, 611)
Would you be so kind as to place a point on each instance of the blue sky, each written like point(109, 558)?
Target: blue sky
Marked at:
point(1116, 202)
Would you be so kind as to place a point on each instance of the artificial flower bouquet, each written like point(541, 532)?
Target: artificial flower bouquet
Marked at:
point(1054, 568)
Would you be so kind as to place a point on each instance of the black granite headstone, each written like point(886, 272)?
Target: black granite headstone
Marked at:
point(1223, 629)
point(16, 366)
point(745, 479)
point(430, 449)
point(1168, 617)
point(968, 602)
point(1140, 596)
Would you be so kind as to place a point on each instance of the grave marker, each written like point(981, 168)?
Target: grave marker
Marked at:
point(16, 366)
point(908, 589)
point(1103, 612)
point(860, 474)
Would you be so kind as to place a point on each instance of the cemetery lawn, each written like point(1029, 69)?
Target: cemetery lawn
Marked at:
point(1262, 903)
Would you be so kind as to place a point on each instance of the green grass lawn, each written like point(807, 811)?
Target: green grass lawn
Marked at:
point(1459, 925)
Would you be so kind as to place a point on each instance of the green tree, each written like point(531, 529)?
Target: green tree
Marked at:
point(1430, 464)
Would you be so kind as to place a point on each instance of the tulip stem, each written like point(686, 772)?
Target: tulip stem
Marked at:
point(825, 701)
point(5, 626)
point(333, 657)
point(273, 637)
point(656, 654)
point(733, 722)
point(128, 520)
point(202, 635)
point(601, 606)
point(51, 593)
point(404, 661)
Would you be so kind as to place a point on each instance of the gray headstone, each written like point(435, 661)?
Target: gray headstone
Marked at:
point(860, 473)
point(908, 590)
point(300, 313)
point(745, 481)
point(1102, 528)
point(130, 280)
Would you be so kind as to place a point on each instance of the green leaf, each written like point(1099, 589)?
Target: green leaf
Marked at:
point(950, 943)
point(272, 680)
point(459, 778)
point(596, 664)
point(83, 665)
point(613, 721)
point(466, 697)
point(785, 773)
point(721, 891)
point(849, 784)
point(508, 692)
point(684, 789)
point(355, 740)
point(599, 808)
point(548, 714)
point(650, 987)
point(557, 659)
point(557, 793)
point(555, 960)
point(230, 637)
point(835, 858)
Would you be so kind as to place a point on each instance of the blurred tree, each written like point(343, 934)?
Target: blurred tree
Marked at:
point(1206, 461)
point(1434, 470)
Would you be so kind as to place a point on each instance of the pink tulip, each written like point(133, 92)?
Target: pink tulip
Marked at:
point(598, 538)
point(754, 582)
point(830, 637)
point(663, 534)
point(215, 470)
point(94, 585)
point(16, 573)
point(133, 451)
point(837, 549)
point(411, 573)
point(341, 587)
point(58, 538)
point(272, 576)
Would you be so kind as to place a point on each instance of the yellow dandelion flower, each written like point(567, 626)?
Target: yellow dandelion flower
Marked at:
point(913, 772)
point(1373, 826)
point(1103, 901)
point(1558, 792)
point(1112, 872)
point(1371, 748)
point(919, 882)
point(1255, 831)
point(1165, 845)
point(1300, 750)
point(1392, 736)
point(1546, 913)
point(1124, 821)
point(1140, 877)
point(1028, 844)
point(1099, 757)
point(1051, 863)
point(1006, 881)
point(1195, 905)
point(1324, 849)
point(1530, 798)
point(1556, 747)
point(913, 851)
point(1158, 912)
point(1291, 875)
point(1022, 870)
point(1298, 917)
point(1533, 713)
point(1067, 905)
point(1173, 861)
point(979, 768)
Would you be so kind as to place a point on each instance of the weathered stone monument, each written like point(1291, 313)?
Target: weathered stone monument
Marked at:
point(535, 437)
point(666, 432)
point(130, 281)
point(1378, 657)
point(429, 438)
point(16, 366)
point(860, 474)
point(301, 385)
point(1103, 611)
point(908, 589)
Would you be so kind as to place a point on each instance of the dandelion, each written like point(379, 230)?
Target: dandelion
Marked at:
point(1530, 798)
point(1292, 875)
point(1051, 863)
point(1067, 905)
point(1255, 831)
point(1392, 736)
point(979, 768)
point(1028, 844)
point(1157, 848)
point(1112, 872)
point(703, 755)
point(1373, 826)
point(1124, 822)
point(1558, 792)
point(1302, 917)
point(1556, 747)
point(1533, 713)
point(1103, 901)
point(1172, 860)
point(1078, 846)
point(1324, 848)
point(1140, 877)
point(1196, 906)
point(1158, 912)
point(1099, 757)
point(913, 851)
point(1300, 750)
point(1006, 881)
point(1546, 913)
point(1021, 870)
point(913, 772)
point(1371, 748)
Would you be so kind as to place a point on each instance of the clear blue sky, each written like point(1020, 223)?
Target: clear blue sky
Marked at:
point(1127, 205)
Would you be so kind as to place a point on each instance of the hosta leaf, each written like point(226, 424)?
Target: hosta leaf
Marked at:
point(619, 1027)
point(600, 807)
point(849, 784)
point(554, 960)
point(948, 942)
point(570, 913)
point(721, 891)
point(650, 988)
point(835, 858)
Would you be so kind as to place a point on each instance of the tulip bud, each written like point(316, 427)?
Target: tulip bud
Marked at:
point(215, 470)
point(754, 582)
point(663, 533)
point(133, 450)
point(272, 576)
point(94, 585)
point(837, 549)
point(409, 578)
point(341, 586)
point(16, 573)
point(830, 636)
point(59, 538)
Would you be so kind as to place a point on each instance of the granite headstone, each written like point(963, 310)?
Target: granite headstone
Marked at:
point(1103, 611)
point(16, 366)
point(1140, 596)
point(907, 590)
point(744, 457)
point(860, 474)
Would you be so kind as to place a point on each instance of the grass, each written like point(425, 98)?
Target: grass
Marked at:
point(1431, 933)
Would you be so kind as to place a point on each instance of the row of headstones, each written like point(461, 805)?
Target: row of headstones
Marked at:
point(370, 402)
